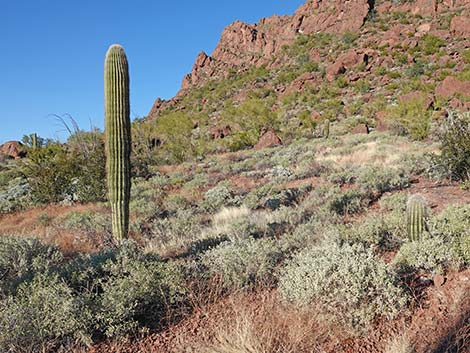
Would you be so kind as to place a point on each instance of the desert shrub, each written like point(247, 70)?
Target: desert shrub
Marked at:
point(217, 197)
point(44, 316)
point(380, 179)
point(250, 117)
point(431, 44)
point(245, 263)
point(411, 118)
point(343, 175)
point(175, 131)
point(175, 232)
point(137, 292)
point(430, 254)
point(72, 172)
point(22, 258)
point(347, 281)
point(147, 196)
point(454, 160)
point(86, 148)
point(15, 195)
point(88, 221)
point(49, 172)
point(416, 69)
point(453, 224)
point(393, 202)
point(384, 232)
point(348, 202)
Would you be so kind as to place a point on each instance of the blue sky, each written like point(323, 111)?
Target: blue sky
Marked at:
point(52, 53)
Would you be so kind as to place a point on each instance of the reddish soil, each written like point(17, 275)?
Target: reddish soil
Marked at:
point(431, 327)
point(440, 195)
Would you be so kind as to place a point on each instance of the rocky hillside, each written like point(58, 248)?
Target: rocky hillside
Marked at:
point(346, 53)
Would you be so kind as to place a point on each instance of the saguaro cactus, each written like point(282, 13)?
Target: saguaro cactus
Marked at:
point(326, 129)
point(118, 138)
point(34, 140)
point(416, 215)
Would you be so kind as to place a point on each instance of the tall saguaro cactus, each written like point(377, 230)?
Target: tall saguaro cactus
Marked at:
point(416, 215)
point(118, 137)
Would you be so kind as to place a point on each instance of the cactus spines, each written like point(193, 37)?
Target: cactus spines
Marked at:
point(118, 137)
point(416, 216)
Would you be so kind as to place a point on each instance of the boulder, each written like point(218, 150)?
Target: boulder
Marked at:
point(460, 26)
point(427, 99)
point(457, 104)
point(361, 129)
point(345, 61)
point(219, 132)
point(13, 149)
point(451, 86)
point(268, 139)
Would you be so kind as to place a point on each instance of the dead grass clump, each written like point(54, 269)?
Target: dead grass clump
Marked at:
point(400, 344)
point(262, 325)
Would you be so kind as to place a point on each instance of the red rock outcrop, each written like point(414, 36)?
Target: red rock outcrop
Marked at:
point(268, 139)
point(427, 99)
point(345, 61)
point(13, 149)
point(460, 26)
point(451, 86)
point(257, 44)
point(422, 7)
point(331, 16)
point(219, 132)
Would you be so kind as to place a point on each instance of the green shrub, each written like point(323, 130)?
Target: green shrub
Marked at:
point(50, 171)
point(394, 202)
point(380, 179)
point(175, 233)
point(411, 118)
point(15, 195)
point(44, 316)
point(137, 292)
point(384, 232)
point(453, 224)
point(348, 202)
point(430, 254)
point(86, 149)
point(88, 221)
point(347, 282)
point(22, 258)
point(175, 131)
point(245, 263)
point(454, 161)
point(431, 44)
point(217, 197)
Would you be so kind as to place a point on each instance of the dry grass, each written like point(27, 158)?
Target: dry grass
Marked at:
point(371, 153)
point(26, 224)
point(400, 344)
point(262, 325)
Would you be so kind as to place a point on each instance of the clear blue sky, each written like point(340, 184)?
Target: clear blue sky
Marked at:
point(52, 53)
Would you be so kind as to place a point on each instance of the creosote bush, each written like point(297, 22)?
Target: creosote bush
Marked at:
point(348, 282)
point(244, 263)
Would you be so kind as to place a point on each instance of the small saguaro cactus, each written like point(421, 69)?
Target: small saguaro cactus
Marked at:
point(118, 138)
point(34, 141)
point(326, 128)
point(416, 216)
